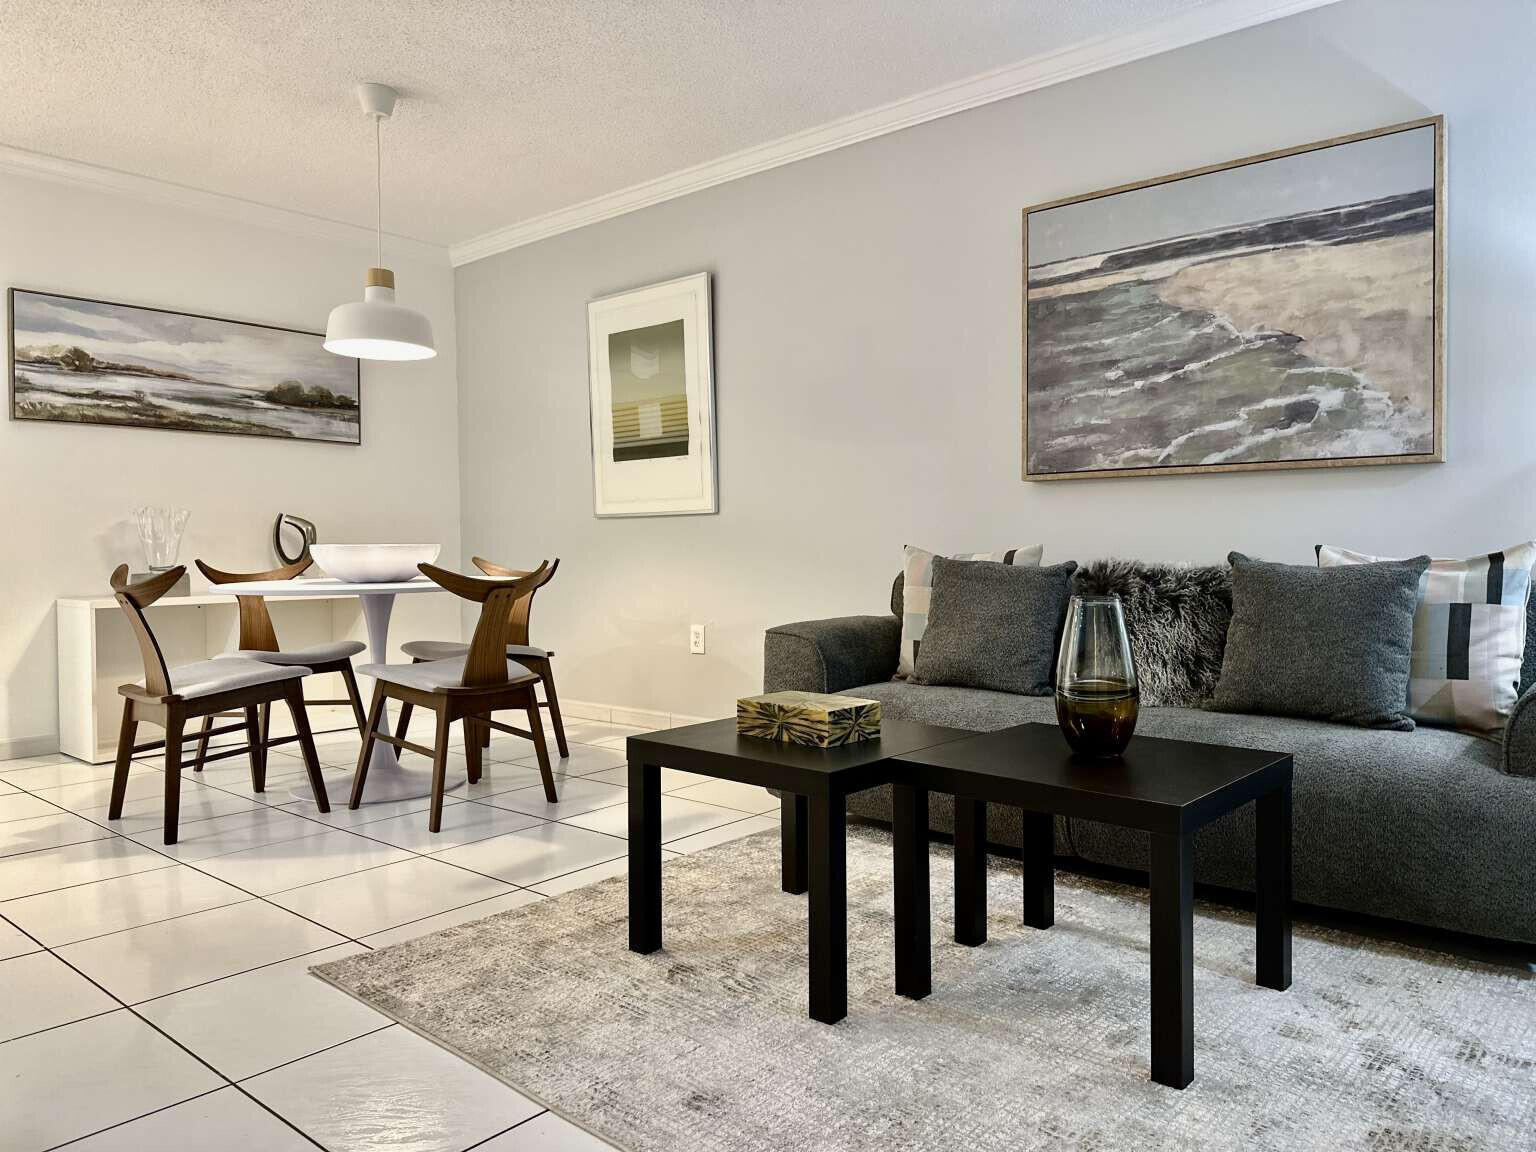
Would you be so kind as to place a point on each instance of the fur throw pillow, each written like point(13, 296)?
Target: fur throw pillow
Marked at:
point(1177, 620)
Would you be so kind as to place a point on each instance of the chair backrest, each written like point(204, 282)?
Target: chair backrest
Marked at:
point(524, 606)
point(256, 631)
point(486, 664)
point(133, 599)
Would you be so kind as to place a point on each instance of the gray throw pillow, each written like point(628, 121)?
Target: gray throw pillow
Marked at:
point(1324, 643)
point(994, 625)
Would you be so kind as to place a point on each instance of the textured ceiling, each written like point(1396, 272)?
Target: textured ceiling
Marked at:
point(515, 107)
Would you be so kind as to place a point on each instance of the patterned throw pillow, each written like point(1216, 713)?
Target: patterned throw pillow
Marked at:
point(1468, 637)
point(917, 573)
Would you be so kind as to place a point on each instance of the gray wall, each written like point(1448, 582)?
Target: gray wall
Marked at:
point(867, 352)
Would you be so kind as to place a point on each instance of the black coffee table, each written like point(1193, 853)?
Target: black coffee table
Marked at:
point(816, 783)
point(1169, 788)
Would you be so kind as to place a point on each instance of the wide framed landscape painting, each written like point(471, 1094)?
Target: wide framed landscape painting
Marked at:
point(92, 362)
point(1281, 311)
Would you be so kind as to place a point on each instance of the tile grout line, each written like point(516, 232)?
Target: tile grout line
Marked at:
point(504, 1131)
point(126, 1007)
point(255, 897)
point(363, 836)
point(384, 1027)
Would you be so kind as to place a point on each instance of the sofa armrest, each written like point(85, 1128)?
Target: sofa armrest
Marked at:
point(1520, 737)
point(830, 655)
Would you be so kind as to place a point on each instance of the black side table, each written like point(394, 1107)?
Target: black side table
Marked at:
point(815, 783)
point(1169, 788)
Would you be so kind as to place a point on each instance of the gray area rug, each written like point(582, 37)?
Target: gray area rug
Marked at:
point(1035, 1040)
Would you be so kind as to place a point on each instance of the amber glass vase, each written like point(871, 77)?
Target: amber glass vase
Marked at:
point(1096, 695)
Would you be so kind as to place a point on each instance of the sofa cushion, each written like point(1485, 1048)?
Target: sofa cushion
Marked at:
point(994, 625)
point(973, 709)
point(1414, 826)
point(1176, 617)
point(1325, 643)
point(917, 568)
point(1419, 826)
point(1469, 632)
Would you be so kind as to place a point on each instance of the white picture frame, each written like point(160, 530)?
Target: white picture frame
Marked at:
point(652, 390)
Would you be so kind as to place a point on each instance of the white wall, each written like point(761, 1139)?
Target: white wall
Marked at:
point(68, 490)
point(867, 352)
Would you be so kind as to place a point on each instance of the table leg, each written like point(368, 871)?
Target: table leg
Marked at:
point(909, 848)
point(794, 846)
point(1173, 960)
point(388, 780)
point(970, 871)
point(376, 612)
point(1039, 869)
point(1272, 849)
point(829, 909)
point(644, 857)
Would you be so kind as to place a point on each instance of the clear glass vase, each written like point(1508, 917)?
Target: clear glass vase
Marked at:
point(160, 532)
point(1097, 699)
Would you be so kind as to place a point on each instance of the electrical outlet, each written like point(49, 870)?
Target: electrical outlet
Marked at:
point(696, 639)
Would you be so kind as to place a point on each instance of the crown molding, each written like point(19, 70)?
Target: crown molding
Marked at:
point(40, 166)
point(1203, 23)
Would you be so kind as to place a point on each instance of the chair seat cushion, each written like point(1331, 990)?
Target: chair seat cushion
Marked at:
point(437, 675)
point(448, 649)
point(314, 654)
point(226, 673)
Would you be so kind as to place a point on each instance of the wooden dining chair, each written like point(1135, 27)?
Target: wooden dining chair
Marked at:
point(536, 660)
point(170, 697)
point(258, 641)
point(469, 687)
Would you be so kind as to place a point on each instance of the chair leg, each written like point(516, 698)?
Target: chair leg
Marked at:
point(472, 751)
point(255, 750)
point(547, 674)
point(293, 692)
point(125, 738)
point(536, 726)
point(404, 722)
point(439, 771)
point(354, 697)
point(370, 729)
point(266, 726)
point(202, 744)
point(175, 725)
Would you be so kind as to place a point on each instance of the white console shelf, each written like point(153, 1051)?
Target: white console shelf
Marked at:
point(97, 652)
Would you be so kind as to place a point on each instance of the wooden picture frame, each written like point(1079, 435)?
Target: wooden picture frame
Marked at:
point(651, 390)
point(1298, 258)
point(265, 380)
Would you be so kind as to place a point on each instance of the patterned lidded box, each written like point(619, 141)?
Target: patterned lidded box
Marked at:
point(812, 718)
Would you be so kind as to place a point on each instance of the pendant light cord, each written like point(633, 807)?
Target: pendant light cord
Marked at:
point(378, 188)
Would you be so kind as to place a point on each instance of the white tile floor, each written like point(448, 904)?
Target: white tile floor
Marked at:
point(155, 997)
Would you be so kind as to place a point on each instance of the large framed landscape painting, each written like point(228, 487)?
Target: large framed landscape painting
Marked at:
point(652, 394)
point(93, 362)
point(1282, 311)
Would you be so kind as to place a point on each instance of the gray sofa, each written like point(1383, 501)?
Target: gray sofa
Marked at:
point(1423, 826)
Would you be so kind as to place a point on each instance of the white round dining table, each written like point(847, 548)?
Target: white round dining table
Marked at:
point(388, 779)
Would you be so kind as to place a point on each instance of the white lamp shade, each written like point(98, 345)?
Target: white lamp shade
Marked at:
point(376, 328)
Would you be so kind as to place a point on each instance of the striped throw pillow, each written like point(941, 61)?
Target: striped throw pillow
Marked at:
point(1468, 637)
point(917, 571)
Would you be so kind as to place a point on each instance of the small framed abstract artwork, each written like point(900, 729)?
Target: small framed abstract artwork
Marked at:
point(652, 392)
point(78, 361)
point(1280, 311)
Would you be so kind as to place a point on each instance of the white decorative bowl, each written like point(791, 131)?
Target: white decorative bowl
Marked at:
point(373, 563)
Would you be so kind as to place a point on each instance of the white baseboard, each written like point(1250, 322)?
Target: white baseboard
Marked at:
point(21, 747)
point(632, 717)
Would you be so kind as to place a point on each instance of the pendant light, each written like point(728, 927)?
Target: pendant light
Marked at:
point(376, 328)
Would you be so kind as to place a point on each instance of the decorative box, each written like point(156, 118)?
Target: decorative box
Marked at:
point(812, 718)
